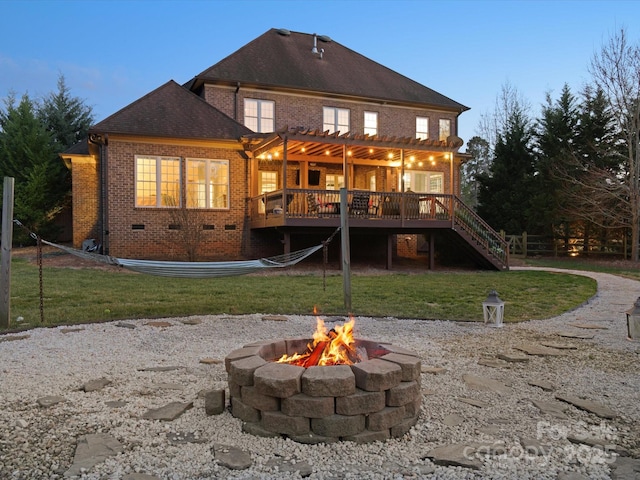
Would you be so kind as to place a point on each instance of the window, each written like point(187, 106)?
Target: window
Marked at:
point(157, 181)
point(423, 182)
point(445, 129)
point(259, 115)
point(207, 183)
point(371, 123)
point(334, 182)
point(268, 182)
point(422, 128)
point(335, 119)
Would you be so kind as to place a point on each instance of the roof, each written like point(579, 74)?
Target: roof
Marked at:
point(172, 111)
point(283, 59)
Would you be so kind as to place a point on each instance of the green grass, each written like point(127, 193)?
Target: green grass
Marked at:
point(73, 296)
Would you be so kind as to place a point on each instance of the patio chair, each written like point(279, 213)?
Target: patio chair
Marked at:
point(312, 204)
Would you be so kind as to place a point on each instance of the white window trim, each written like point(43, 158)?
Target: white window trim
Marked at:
point(422, 135)
point(158, 181)
point(207, 182)
point(335, 126)
point(260, 128)
point(368, 130)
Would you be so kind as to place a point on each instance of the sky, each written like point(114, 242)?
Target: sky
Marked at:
point(113, 52)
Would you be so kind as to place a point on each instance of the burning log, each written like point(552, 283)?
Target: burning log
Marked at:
point(315, 355)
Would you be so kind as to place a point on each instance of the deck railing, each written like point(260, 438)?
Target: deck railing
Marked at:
point(312, 203)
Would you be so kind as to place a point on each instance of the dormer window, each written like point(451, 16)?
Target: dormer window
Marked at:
point(259, 115)
point(335, 119)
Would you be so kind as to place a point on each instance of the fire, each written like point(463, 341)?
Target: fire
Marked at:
point(333, 347)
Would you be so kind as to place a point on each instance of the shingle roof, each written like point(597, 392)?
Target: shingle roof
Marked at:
point(284, 59)
point(172, 111)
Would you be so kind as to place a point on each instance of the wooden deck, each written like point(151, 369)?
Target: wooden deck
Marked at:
point(384, 212)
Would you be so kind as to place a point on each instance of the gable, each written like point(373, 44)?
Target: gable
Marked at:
point(172, 111)
point(284, 60)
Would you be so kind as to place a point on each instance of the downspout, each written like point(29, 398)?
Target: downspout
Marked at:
point(102, 141)
point(235, 102)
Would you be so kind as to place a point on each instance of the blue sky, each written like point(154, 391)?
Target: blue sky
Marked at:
point(113, 52)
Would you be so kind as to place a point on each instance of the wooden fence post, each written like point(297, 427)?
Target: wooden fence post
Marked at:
point(5, 256)
point(524, 244)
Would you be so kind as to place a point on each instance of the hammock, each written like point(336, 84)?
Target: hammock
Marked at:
point(194, 269)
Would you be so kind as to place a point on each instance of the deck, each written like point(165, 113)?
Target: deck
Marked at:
point(386, 212)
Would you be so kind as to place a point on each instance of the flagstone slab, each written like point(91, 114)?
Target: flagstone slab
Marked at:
point(168, 412)
point(533, 446)
point(579, 336)
point(191, 321)
point(625, 468)
point(493, 363)
point(553, 408)
point(538, 350)
point(95, 385)
point(231, 457)
point(453, 420)
point(543, 384)
point(92, 449)
point(485, 384)
point(455, 455)
point(589, 326)
point(513, 357)
point(11, 338)
point(559, 345)
point(159, 324)
point(50, 400)
point(181, 438)
point(588, 406)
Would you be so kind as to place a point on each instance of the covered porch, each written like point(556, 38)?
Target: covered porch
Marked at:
point(394, 186)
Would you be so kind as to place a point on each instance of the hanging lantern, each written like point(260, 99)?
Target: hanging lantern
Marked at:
point(493, 309)
point(633, 321)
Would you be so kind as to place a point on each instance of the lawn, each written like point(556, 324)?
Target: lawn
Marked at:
point(82, 295)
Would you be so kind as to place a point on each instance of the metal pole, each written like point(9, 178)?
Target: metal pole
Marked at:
point(346, 252)
point(5, 257)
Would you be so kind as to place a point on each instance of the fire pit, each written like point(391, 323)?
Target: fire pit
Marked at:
point(338, 388)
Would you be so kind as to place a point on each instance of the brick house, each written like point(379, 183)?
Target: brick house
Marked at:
point(250, 157)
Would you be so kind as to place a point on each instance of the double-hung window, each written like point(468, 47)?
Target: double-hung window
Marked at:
point(423, 182)
point(371, 123)
point(157, 181)
point(422, 128)
point(207, 183)
point(445, 129)
point(335, 119)
point(259, 115)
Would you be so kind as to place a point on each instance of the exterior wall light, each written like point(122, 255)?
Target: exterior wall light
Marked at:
point(493, 309)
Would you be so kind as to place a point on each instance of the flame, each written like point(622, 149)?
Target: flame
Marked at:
point(332, 347)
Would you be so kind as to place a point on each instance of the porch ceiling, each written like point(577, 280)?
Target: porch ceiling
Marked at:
point(311, 143)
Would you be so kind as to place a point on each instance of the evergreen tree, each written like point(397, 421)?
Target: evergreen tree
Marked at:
point(27, 155)
point(506, 190)
point(556, 143)
point(480, 152)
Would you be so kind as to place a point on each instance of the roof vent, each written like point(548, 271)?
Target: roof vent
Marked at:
point(324, 38)
point(315, 50)
point(284, 32)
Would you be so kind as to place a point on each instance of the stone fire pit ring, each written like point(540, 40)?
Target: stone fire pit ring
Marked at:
point(369, 401)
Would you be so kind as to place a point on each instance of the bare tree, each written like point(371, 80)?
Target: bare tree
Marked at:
point(616, 70)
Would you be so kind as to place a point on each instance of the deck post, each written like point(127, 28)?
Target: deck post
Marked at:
point(346, 252)
point(432, 251)
point(389, 251)
point(5, 265)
